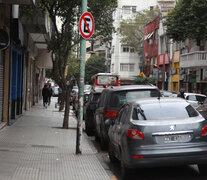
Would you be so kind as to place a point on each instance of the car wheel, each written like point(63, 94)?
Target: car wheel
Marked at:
point(202, 169)
point(103, 143)
point(89, 130)
point(125, 172)
point(112, 158)
point(96, 136)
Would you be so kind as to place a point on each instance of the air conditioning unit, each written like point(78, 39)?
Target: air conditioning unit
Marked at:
point(146, 54)
point(151, 41)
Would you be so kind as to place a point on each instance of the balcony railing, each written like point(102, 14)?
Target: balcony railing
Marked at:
point(194, 59)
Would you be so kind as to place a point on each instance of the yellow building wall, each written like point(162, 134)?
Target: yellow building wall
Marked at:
point(175, 78)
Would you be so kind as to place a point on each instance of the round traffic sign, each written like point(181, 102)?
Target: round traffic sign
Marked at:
point(86, 25)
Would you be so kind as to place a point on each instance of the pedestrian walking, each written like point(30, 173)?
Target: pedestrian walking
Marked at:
point(50, 92)
point(181, 94)
point(45, 94)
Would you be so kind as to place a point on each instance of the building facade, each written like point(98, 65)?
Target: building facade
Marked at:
point(21, 62)
point(124, 60)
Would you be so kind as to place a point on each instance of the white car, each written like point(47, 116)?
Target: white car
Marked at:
point(194, 99)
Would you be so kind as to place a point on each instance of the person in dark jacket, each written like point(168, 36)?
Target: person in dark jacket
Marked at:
point(45, 94)
point(50, 92)
point(181, 94)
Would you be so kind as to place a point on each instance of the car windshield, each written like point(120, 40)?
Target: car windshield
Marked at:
point(118, 98)
point(196, 98)
point(164, 111)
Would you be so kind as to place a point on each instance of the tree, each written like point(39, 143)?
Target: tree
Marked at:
point(144, 80)
point(63, 40)
point(132, 30)
point(95, 64)
point(187, 20)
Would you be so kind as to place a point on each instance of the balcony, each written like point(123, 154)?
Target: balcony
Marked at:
point(194, 59)
point(39, 27)
point(22, 2)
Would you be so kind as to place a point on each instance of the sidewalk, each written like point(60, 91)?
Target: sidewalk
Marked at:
point(36, 148)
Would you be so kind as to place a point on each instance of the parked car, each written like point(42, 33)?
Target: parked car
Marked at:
point(73, 95)
point(194, 99)
point(89, 110)
point(55, 91)
point(111, 100)
point(75, 108)
point(153, 132)
point(168, 93)
point(202, 108)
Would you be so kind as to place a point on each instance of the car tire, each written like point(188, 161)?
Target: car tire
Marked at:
point(125, 172)
point(104, 144)
point(112, 158)
point(203, 169)
point(89, 130)
point(96, 136)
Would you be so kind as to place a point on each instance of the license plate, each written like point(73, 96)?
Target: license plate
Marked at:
point(172, 138)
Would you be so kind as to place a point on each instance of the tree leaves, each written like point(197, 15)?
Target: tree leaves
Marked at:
point(95, 64)
point(187, 20)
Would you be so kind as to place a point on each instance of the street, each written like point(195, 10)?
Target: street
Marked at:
point(159, 173)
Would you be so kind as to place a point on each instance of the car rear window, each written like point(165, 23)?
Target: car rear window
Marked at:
point(164, 111)
point(196, 98)
point(96, 96)
point(118, 98)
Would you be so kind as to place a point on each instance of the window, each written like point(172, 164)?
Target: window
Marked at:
point(125, 48)
point(131, 67)
point(167, 111)
point(127, 67)
point(118, 98)
point(134, 8)
point(126, 9)
point(132, 50)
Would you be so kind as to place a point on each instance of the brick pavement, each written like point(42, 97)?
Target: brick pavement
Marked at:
point(36, 148)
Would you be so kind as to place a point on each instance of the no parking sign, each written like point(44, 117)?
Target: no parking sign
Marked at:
point(86, 25)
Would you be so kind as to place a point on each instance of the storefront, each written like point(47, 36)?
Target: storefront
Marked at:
point(15, 99)
point(1, 84)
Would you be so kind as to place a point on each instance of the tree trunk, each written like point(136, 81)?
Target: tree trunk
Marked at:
point(67, 109)
point(62, 100)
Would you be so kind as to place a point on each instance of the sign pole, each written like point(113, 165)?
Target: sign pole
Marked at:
point(81, 87)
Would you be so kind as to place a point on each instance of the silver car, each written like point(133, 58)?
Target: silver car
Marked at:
point(156, 131)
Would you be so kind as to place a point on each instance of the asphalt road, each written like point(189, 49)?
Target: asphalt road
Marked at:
point(159, 173)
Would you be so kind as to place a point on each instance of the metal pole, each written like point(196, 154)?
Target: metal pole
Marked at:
point(81, 86)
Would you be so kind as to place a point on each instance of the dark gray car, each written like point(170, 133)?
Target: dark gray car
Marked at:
point(112, 99)
point(90, 109)
point(156, 132)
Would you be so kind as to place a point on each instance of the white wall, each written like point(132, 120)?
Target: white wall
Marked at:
point(118, 56)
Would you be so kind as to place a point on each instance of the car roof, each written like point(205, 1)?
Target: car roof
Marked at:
point(187, 94)
point(159, 100)
point(130, 87)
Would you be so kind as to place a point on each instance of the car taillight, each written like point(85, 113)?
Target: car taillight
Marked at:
point(138, 156)
point(204, 131)
point(110, 114)
point(135, 134)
